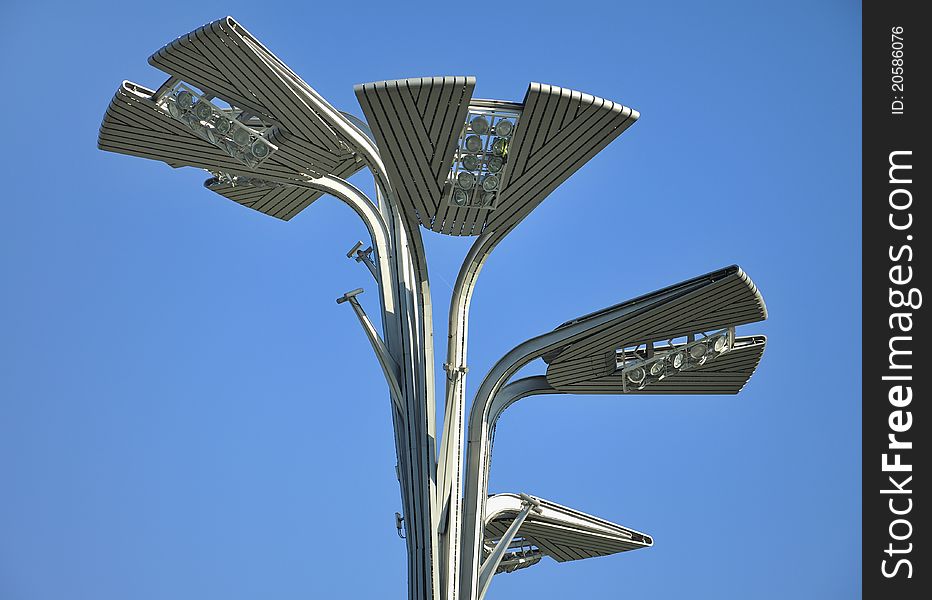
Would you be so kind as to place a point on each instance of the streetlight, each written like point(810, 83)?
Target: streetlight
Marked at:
point(583, 351)
point(456, 165)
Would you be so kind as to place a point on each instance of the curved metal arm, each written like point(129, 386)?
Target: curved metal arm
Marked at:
point(363, 206)
point(450, 465)
point(481, 416)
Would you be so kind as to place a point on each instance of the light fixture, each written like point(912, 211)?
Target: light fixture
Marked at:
point(218, 126)
point(185, 99)
point(471, 162)
point(677, 360)
point(259, 149)
point(719, 343)
point(504, 128)
point(636, 375)
point(222, 125)
point(466, 180)
point(474, 143)
point(639, 368)
point(480, 125)
point(241, 136)
point(202, 110)
point(481, 156)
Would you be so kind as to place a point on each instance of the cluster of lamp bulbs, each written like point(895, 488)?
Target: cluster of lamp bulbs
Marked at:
point(521, 557)
point(483, 153)
point(694, 354)
point(235, 180)
point(210, 123)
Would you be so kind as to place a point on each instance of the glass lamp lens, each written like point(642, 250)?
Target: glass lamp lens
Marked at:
point(719, 344)
point(656, 368)
point(473, 143)
point(466, 180)
point(677, 360)
point(488, 198)
point(460, 197)
point(480, 125)
point(241, 136)
point(495, 164)
point(490, 183)
point(636, 375)
point(504, 128)
point(185, 99)
point(174, 110)
point(471, 162)
point(202, 110)
point(259, 149)
point(698, 351)
point(498, 147)
point(223, 126)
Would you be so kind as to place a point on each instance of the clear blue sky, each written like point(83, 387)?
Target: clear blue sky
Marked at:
point(185, 412)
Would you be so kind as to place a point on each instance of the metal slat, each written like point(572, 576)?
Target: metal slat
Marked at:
point(281, 94)
point(416, 185)
point(231, 57)
point(446, 121)
point(534, 103)
point(681, 316)
point(546, 126)
point(568, 151)
point(182, 59)
point(267, 86)
point(412, 136)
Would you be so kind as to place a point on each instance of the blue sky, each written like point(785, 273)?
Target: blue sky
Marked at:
point(186, 413)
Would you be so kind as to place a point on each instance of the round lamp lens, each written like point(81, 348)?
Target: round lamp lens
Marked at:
point(185, 99)
point(174, 110)
point(202, 110)
point(460, 197)
point(466, 180)
point(496, 163)
point(504, 128)
point(677, 360)
point(698, 351)
point(223, 126)
point(498, 147)
point(490, 183)
point(720, 343)
point(474, 143)
point(480, 125)
point(637, 375)
point(471, 162)
point(656, 368)
point(260, 149)
point(241, 136)
point(488, 198)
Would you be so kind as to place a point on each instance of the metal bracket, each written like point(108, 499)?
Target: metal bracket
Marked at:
point(399, 524)
point(453, 373)
point(349, 296)
point(365, 257)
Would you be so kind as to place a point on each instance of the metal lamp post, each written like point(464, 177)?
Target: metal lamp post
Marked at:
point(460, 166)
